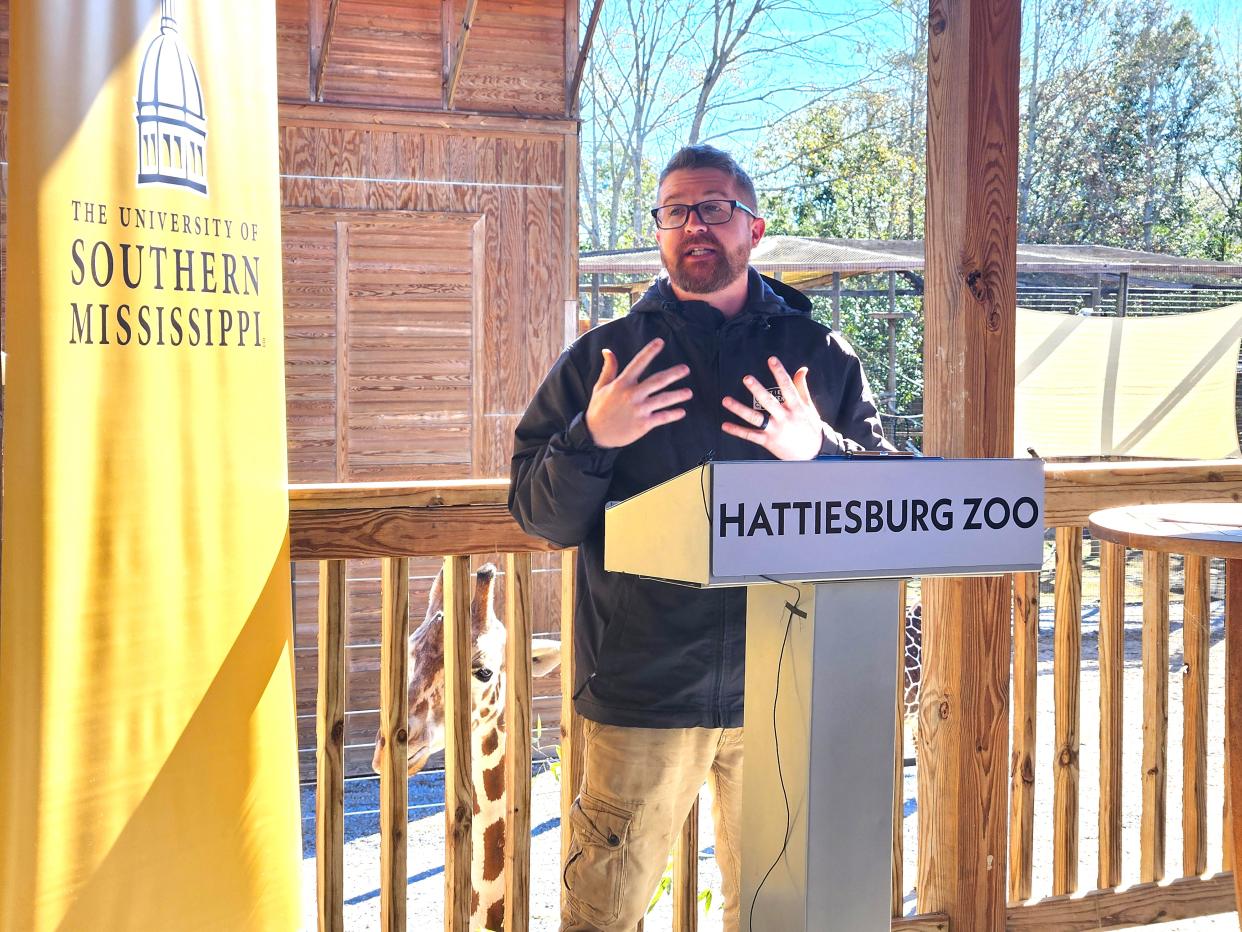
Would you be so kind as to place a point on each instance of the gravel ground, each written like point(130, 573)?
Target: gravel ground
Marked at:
point(426, 827)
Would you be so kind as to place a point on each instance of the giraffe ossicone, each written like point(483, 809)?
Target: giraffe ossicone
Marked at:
point(487, 726)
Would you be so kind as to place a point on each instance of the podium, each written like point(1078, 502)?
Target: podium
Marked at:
point(821, 547)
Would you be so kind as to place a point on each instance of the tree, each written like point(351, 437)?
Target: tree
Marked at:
point(1062, 70)
point(661, 75)
point(1115, 133)
point(1222, 164)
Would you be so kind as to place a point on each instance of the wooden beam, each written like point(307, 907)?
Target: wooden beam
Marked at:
point(575, 84)
point(1074, 491)
point(971, 269)
point(1139, 905)
point(446, 49)
point(411, 532)
point(459, 50)
point(934, 922)
point(325, 45)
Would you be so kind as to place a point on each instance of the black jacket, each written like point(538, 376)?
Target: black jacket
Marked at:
point(653, 654)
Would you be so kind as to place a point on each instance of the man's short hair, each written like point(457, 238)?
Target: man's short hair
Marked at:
point(705, 156)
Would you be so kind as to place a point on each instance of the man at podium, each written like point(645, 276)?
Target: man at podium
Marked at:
point(698, 370)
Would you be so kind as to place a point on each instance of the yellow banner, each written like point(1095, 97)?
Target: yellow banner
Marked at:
point(147, 749)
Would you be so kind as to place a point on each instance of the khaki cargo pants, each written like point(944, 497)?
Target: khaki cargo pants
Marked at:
point(638, 786)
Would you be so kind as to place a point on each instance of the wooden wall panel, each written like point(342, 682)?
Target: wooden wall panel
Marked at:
point(390, 53)
point(292, 49)
point(310, 263)
point(381, 344)
point(411, 330)
point(515, 60)
point(385, 53)
point(4, 43)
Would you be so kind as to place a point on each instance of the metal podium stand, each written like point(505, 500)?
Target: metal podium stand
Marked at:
point(839, 533)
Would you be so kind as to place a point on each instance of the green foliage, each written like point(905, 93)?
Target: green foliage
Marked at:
point(868, 334)
point(665, 886)
point(850, 174)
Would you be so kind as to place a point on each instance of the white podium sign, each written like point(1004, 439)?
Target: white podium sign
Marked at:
point(824, 745)
point(859, 518)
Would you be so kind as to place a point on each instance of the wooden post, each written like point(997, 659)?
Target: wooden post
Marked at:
point(394, 719)
point(1067, 668)
point(458, 782)
point(1112, 691)
point(1233, 713)
point(571, 723)
point(518, 692)
point(1022, 760)
point(686, 874)
point(971, 295)
point(1152, 833)
point(575, 83)
point(323, 47)
point(330, 753)
point(1196, 624)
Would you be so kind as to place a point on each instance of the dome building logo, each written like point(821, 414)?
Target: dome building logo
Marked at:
point(172, 121)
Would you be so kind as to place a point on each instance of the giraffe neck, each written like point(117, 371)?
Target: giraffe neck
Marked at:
point(487, 873)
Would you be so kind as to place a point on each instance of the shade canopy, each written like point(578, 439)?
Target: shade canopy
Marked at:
point(1128, 386)
point(803, 260)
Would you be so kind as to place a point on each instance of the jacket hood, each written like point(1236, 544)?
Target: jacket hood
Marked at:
point(766, 296)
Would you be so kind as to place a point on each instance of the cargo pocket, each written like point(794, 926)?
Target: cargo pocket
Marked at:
point(594, 873)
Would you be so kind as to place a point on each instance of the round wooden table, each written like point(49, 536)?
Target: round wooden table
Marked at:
point(1210, 530)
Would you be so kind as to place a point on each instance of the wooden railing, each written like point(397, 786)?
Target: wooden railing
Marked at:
point(1073, 492)
point(332, 524)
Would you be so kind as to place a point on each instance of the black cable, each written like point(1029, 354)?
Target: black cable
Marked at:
point(703, 464)
point(776, 738)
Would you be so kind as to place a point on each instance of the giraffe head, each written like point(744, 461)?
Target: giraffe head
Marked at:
point(426, 669)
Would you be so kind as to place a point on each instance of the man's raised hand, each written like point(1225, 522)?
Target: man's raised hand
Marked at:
point(789, 430)
point(623, 408)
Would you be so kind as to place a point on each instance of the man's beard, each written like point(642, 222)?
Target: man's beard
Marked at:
point(702, 277)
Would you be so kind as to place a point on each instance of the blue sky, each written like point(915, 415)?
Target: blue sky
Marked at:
point(1225, 16)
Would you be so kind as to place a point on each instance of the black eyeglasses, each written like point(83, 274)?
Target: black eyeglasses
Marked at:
point(713, 212)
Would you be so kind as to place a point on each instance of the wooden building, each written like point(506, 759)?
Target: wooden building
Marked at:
point(429, 184)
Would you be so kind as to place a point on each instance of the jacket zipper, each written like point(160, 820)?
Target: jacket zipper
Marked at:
point(718, 710)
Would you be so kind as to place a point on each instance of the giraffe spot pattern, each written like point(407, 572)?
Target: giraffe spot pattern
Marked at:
point(496, 915)
point(494, 781)
point(494, 854)
point(489, 743)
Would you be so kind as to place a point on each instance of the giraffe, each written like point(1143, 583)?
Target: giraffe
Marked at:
point(912, 666)
point(487, 727)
